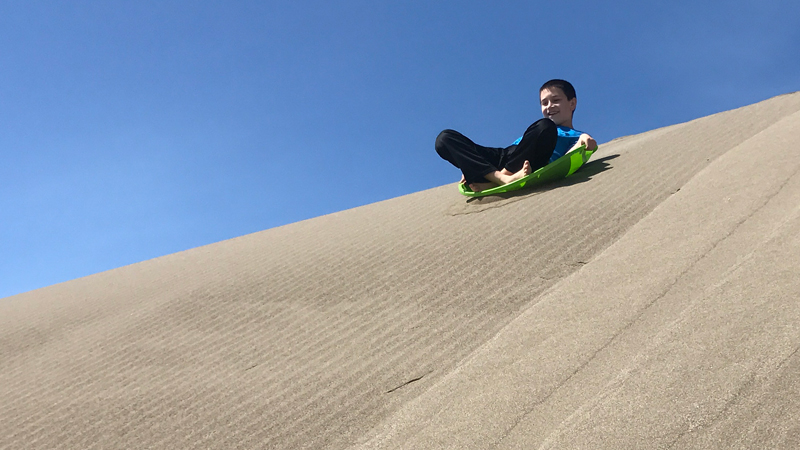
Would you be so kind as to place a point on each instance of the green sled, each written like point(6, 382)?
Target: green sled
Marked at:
point(560, 168)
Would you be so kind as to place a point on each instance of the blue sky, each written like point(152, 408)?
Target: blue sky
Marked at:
point(135, 129)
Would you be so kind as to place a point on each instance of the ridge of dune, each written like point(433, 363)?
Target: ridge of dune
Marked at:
point(329, 332)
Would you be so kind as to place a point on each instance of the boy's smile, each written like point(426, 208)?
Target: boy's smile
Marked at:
point(556, 107)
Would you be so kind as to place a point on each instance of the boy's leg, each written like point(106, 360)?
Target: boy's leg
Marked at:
point(536, 146)
point(475, 161)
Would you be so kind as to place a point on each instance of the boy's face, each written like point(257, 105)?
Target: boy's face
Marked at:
point(556, 107)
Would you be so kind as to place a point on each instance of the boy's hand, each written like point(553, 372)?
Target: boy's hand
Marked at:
point(588, 141)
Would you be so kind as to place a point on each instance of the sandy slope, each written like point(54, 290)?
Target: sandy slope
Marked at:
point(648, 302)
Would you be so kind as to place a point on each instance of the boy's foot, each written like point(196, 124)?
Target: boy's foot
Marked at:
point(477, 187)
point(502, 177)
point(508, 177)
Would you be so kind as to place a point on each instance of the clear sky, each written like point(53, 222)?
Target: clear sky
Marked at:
point(135, 129)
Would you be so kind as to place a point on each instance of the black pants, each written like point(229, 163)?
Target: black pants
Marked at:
point(476, 161)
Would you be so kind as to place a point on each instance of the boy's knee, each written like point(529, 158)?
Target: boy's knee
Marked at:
point(543, 127)
point(441, 140)
point(445, 134)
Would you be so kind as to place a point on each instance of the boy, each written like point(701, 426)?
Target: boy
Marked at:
point(543, 142)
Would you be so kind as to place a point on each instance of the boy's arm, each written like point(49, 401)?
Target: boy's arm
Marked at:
point(587, 141)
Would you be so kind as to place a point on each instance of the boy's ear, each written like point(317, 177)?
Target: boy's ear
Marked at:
point(573, 103)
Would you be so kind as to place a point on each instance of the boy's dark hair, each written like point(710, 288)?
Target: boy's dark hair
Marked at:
point(564, 85)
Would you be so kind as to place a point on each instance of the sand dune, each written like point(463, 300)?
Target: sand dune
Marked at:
point(649, 301)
